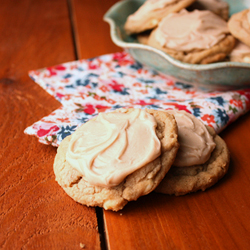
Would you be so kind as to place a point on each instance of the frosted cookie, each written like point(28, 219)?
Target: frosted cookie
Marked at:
point(239, 26)
point(198, 37)
point(240, 53)
point(218, 7)
point(151, 12)
point(203, 158)
point(117, 157)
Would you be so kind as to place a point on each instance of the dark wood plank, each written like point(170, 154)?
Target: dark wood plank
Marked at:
point(35, 213)
point(92, 33)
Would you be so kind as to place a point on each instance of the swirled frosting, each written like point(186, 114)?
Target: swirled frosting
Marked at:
point(113, 145)
point(196, 144)
point(187, 31)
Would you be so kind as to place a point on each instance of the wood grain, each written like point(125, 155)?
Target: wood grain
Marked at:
point(92, 34)
point(34, 211)
point(215, 219)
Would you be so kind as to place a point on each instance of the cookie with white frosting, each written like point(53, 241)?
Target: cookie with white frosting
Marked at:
point(239, 26)
point(117, 157)
point(197, 37)
point(151, 12)
point(203, 158)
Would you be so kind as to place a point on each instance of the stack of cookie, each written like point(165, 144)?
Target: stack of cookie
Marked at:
point(192, 31)
point(119, 156)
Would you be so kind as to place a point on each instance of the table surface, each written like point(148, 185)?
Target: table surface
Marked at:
point(35, 213)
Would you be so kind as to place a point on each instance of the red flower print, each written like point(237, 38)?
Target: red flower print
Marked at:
point(102, 108)
point(67, 97)
point(92, 66)
point(89, 109)
point(111, 101)
point(122, 58)
point(208, 118)
point(143, 91)
point(119, 56)
point(65, 80)
point(104, 88)
point(46, 130)
point(97, 97)
point(137, 84)
point(59, 95)
point(116, 86)
point(143, 103)
point(246, 93)
point(177, 106)
point(169, 83)
point(236, 103)
point(60, 67)
point(64, 119)
point(52, 70)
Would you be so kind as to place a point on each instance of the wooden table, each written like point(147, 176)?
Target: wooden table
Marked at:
point(35, 213)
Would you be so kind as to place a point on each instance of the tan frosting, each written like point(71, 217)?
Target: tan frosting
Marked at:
point(196, 144)
point(150, 6)
point(186, 31)
point(113, 145)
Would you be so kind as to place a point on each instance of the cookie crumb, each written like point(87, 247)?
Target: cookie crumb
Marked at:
point(82, 245)
point(121, 214)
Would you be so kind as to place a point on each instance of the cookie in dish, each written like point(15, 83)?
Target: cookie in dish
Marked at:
point(151, 12)
point(240, 53)
point(197, 37)
point(117, 157)
point(203, 158)
point(218, 7)
point(239, 26)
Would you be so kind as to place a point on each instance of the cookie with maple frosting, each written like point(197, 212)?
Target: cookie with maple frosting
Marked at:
point(197, 166)
point(240, 53)
point(197, 37)
point(151, 12)
point(218, 7)
point(117, 157)
point(239, 26)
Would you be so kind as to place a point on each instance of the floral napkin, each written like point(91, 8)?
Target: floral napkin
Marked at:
point(108, 82)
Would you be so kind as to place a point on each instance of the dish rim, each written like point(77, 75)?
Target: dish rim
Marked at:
point(188, 66)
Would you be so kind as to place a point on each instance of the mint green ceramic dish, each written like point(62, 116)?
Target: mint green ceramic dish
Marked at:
point(222, 74)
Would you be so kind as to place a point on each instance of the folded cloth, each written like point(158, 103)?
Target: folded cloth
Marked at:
point(108, 82)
